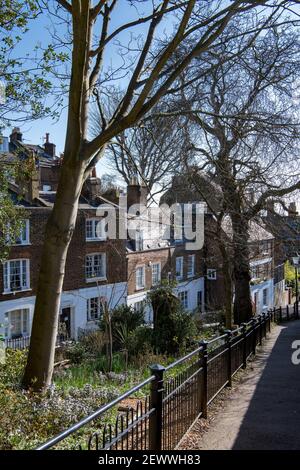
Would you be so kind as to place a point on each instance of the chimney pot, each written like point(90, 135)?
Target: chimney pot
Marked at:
point(292, 210)
point(50, 148)
point(16, 135)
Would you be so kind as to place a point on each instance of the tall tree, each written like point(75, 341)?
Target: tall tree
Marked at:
point(244, 129)
point(148, 77)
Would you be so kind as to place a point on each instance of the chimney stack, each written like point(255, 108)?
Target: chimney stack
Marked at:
point(292, 210)
point(270, 207)
point(136, 193)
point(16, 135)
point(50, 148)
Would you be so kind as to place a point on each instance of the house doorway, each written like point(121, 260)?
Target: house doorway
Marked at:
point(64, 327)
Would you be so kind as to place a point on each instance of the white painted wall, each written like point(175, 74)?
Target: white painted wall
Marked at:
point(192, 287)
point(115, 294)
point(258, 288)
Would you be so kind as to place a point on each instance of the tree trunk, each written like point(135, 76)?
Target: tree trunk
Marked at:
point(59, 231)
point(227, 275)
point(242, 298)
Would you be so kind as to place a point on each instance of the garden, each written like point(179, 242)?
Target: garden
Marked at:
point(100, 366)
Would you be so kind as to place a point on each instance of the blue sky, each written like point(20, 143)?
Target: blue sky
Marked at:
point(34, 132)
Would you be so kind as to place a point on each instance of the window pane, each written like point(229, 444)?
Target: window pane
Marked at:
point(24, 274)
point(89, 229)
point(16, 323)
point(25, 321)
point(191, 265)
point(140, 277)
point(6, 287)
point(156, 276)
point(179, 267)
point(94, 309)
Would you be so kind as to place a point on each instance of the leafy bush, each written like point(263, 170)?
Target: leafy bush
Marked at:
point(93, 342)
point(124, 320)
point(126, 315)
point(11, 371)
point(141, 341)
point(174, 328)
point(76, 353)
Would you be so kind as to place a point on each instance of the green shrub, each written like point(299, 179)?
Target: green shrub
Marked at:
point(76, 353)
point(141, 341)
point(124, 320)
point(174, 328)
point(126, 315)
point(11, 372)
point(93, 342)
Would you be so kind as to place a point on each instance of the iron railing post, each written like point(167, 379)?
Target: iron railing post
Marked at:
point(264, 325)
point(204, 389)
point(156, 403)
point(244, 333)
point(280, 314)
point(228, 344)
point(297, 309)
point(260, 329)
point(287, 313)
point(254, 336)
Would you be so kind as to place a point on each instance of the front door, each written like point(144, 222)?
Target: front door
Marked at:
point(64, 328)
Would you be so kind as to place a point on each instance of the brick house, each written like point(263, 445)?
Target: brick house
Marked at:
point(98, 268)
point(95, 268)
point(267, 281)
point(152, 258)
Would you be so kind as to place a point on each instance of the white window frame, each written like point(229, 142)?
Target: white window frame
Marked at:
point(140, 286)
point(139, 306)
point(97, 229)
point(95, 278)
point(99, 307)
point(184, 299)
point(23, 271)
point(8, 331)
point(211, 274)
point(156, 282)
point(191, 272)
point(179, 277)
point(20, 241)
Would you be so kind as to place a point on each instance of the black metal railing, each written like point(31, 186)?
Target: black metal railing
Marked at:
point(157, 413)
point(24, 341)
point(282, 314)
point(17, 343)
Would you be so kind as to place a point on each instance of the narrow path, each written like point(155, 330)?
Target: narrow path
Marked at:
point(263, 412)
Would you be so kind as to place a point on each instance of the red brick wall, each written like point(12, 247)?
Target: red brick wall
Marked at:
point(75, 266)
point(167, 258)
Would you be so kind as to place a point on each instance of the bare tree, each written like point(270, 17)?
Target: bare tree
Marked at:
point(151, 150)
point(244, 129)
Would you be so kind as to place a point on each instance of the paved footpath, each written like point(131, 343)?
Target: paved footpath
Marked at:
point(263, 413)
